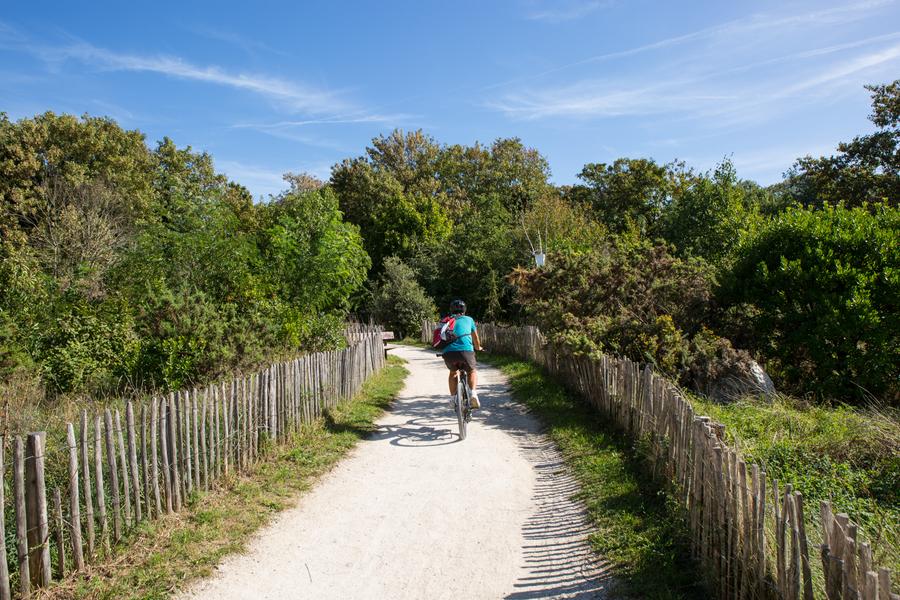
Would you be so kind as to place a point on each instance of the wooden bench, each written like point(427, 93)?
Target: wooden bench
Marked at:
point(386, 336)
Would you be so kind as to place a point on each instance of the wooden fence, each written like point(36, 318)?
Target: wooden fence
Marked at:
point(752, 537)
point(118, 471)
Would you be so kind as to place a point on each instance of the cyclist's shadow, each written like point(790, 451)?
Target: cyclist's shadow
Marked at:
point(431, 423)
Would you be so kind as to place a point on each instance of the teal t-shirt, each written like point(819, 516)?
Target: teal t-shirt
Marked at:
point(464, 325)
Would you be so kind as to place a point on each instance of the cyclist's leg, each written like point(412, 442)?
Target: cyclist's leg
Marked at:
point(451, 360)
point(453, 381)
point(471, 369)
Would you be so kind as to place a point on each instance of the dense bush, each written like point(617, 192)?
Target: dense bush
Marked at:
point(398, 301)
point(817, 294)
point(627, 297)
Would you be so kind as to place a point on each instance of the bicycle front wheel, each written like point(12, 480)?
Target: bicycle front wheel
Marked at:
point(461, 400)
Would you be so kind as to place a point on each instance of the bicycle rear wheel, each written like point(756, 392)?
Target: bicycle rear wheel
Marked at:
point(461, 400)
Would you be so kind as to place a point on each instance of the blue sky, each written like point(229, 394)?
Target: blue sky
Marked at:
point(270, 87)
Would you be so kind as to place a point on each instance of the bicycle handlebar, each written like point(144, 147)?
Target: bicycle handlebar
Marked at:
point(440, 354)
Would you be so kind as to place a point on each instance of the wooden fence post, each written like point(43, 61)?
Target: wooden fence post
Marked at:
point(204, 441)
point(154, 463)
point(195, 431)
point(113, 477)
point(133, 461)
point(86, 481)
point(173, 452)
point(164, 450)
point(74, 504)
point(21, 517)
point(145, 464)
point(58, 537)
point(98, 476)
point(123, 465)
point(36, 503)
point(5, 593)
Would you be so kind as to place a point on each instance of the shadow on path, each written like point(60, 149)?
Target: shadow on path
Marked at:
point(556, 560)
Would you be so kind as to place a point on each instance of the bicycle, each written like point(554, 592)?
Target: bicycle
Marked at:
point(462, 403)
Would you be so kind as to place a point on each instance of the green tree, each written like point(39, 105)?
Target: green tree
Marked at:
point(75, 151)
point(506, 169)
point(398, 301)
point(629, 192)
point(408, 192)
point(391, 218)
point(865, 170)
point(707, 218)
point(315, 260)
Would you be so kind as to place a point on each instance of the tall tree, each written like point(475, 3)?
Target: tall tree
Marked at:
point(866, 169)
point(708, 218)
point(72, 151)
point(631, 192)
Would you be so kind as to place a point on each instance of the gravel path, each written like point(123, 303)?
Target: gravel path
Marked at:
point(414, 513)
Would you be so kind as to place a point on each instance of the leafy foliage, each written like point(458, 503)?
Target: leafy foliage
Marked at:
point(399, 302)
point(631, 192)
point(634, 299)
point(125, 266)
point(709, 216)
point(819, 291)
point(866, 170)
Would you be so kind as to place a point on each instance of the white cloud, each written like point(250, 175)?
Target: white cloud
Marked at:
point(294, 130)
point(713, 92)
point(336, 120)
point(840, 73)
point(293, 96)
point(296, 97)
point(728, 31)
point(557, 11)
point(249, 46)
point(607, 99)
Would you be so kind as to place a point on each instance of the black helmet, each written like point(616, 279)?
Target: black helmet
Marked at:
point(457, 307)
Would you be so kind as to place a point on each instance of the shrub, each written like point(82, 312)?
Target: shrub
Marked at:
point(625, 297)
point(399, 302)
point(816, 291)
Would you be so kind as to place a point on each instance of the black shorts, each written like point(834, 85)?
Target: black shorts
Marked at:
point(460, 360)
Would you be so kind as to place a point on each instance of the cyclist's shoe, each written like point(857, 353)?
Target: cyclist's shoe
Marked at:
point(452, 401)
point(473, 401)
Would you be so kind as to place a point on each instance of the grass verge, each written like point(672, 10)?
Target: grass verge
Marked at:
point(847, 455)
point(637, 526)
point(164, 554)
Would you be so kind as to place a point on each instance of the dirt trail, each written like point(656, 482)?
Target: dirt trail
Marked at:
point(414, 513)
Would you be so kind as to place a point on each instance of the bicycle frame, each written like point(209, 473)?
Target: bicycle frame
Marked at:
point(463, 408)
point(461, 403)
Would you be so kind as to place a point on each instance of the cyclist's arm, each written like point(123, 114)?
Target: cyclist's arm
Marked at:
point(476, 341)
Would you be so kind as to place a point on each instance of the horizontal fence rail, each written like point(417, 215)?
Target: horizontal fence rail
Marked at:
point(750, 535)
point(120, 469)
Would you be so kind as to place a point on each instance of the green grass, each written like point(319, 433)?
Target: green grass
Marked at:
point(163, 554)
point(842, 454)
point(638, 528)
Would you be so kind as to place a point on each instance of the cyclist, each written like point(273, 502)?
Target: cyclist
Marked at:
point(460, 354)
